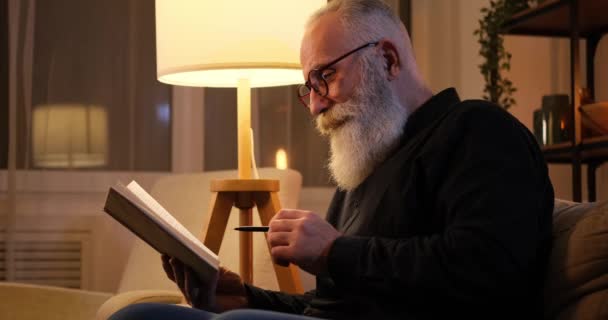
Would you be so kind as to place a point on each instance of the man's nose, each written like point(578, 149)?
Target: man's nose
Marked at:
point(318, 103)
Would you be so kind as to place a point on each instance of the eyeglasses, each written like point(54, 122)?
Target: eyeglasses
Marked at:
point(317, 78)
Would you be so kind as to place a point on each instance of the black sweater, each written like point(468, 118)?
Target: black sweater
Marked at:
point(456, 222)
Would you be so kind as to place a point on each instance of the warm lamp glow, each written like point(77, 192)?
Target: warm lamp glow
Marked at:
point(216, 43)
point(232, 43)
point(281, 159)
point(69, 136)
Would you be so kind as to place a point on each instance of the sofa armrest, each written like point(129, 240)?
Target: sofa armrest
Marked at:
point(30, 301)
point(122, 300)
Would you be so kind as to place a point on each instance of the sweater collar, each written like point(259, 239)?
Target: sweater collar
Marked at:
point(431, 110)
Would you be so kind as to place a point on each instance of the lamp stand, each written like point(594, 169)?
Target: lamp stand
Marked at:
point(245, 193)
point(243, 93)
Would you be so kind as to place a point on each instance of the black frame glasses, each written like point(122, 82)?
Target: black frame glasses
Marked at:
point(317, 77)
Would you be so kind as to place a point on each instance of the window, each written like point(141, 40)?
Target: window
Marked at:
point(279, 122)
point(220, 144)
point(4, 85)
point(94, 58)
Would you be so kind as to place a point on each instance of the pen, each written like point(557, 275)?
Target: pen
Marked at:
point(251, 229)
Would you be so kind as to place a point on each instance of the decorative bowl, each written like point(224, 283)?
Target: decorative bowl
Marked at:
point(594, 116)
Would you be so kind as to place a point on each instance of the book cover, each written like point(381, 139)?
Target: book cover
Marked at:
point(138, 211)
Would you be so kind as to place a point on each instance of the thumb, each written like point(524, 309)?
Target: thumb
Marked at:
point(202, 295)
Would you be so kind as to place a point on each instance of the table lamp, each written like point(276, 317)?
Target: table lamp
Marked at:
point(235, 43)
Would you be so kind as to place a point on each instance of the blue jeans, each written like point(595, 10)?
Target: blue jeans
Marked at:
point(158, 311)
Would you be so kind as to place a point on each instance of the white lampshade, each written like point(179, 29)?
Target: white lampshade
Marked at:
point(69, 136)
point(214, 43)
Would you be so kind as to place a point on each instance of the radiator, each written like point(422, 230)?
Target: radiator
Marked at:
point(56, 258)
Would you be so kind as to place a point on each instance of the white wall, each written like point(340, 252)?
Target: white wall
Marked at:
point(447, 52)
point(71, 201)
point(445, 49)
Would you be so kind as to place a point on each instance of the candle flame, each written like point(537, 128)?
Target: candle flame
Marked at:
point(281, 159)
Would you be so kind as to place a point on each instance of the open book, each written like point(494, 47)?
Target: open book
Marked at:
point(137, 210)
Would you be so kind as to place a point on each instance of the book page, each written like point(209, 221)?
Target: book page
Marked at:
point(165, 216)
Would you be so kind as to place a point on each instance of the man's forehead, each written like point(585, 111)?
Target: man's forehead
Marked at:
point(324, 40)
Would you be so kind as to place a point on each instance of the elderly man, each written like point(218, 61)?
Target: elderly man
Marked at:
point(443, 206)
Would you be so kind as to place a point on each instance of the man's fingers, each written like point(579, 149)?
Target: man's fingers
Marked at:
point(167, 267)
point(282, 225)
point(281, 255)
point(290, 219)
point(178, 273)
point(192, 287)
point(291, 214)
point(278, 238)
point(229, 282)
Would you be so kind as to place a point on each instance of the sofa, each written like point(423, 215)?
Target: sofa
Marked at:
point(576, 285)
point(140, 273)
point(20, 301)
point(577, 279)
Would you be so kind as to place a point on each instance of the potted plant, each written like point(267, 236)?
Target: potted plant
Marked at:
point(498, 88)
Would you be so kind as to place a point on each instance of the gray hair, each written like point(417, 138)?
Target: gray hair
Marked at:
point(365, 20)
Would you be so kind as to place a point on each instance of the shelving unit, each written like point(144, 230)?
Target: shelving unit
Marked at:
point(576, 20)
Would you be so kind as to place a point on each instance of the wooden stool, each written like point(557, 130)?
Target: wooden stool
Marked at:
point(245, 194)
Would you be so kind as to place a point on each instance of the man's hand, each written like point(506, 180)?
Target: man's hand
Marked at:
point(225, 292)
point(302, 238)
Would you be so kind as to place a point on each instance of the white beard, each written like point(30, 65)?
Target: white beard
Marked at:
point(363, 130)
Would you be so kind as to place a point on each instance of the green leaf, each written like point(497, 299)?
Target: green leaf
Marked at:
point(495, 57)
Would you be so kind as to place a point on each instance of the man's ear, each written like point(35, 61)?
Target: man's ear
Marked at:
point(391, 58)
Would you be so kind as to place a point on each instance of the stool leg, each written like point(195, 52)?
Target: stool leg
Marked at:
point(244, 202)
point(246, 246)
point(221, 205)
point(288, 277)
point(217, 220)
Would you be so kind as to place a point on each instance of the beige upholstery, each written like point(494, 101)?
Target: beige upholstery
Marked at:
point(576, 286)
point(119, 301)
point(577, 280)
point(32, 302)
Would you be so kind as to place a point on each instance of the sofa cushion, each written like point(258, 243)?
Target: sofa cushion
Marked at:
point(21, 301)
point(578, 267)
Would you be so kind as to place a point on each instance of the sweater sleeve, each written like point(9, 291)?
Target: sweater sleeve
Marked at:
point(277, 301)
point(490, 186)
